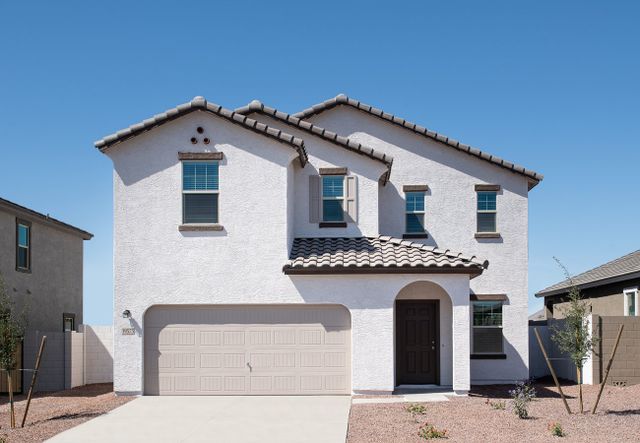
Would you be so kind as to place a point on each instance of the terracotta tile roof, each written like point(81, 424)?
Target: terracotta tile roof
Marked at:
point(344, 142)
point(46, 219)
point(627, 265)
point(201, 104)
point(534, 177)
point(380, 254)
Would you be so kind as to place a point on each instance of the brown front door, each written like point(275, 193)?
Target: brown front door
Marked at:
point(417, 342)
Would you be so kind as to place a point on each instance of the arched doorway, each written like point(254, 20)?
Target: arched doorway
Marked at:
point(423, 335)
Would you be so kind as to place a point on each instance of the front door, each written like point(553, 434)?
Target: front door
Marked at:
point(417, 342)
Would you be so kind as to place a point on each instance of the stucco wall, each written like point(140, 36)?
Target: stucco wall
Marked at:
point(451, 219)
point(324, 154)
point(157, 264)
point(54, 285)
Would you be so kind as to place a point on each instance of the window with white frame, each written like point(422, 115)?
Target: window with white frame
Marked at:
point(631, 302)
point(333, 198)
point(414, 212)
point(487, 327)
point(200, 187)
point(487, 211)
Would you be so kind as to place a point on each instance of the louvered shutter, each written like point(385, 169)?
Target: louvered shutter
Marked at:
point(351, 199)
point(314, 199)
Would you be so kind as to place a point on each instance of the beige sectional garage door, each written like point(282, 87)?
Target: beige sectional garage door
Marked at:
point(247, 350)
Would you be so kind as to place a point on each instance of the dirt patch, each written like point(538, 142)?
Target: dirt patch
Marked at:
point(471, 419)
point(53, 412)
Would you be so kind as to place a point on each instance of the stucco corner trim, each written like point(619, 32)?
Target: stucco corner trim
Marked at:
point(200, 227)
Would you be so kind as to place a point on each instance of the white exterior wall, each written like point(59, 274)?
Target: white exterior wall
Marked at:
point(324, 154)
point(157, 264)
point(451, 219)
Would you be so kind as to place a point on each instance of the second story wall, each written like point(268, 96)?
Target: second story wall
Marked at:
point(325, 154)
point(52, 285)
point(153, 255)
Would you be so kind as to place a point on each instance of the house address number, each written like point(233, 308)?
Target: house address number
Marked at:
point(128, 331)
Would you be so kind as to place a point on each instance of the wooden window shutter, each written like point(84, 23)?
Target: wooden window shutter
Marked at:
point(351, 199)
point(314, 199)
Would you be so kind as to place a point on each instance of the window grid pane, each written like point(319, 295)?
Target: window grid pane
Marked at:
point(415, 201)
point(333, 186)
point(487, 314)
point(200, 176)
point(486, 201)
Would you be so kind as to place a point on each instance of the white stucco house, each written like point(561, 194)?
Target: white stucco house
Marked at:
point(338, 250)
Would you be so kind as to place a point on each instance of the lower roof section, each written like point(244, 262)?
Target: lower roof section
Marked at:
point(376, 255)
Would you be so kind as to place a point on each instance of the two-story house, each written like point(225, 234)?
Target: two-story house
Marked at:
point(41, 267)
point(258, 253)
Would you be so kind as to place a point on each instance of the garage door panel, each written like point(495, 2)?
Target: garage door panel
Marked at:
point(210, 350)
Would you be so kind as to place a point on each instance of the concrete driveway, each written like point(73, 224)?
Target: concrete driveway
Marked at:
point(218, 419)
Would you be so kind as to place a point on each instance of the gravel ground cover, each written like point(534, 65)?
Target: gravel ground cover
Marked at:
point(471, 419)
point(53, 412)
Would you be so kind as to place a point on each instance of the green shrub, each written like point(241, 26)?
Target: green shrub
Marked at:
point(556, 429)
point(499, 404)
point(521, 396)
point(430, 432)
point(415, 409)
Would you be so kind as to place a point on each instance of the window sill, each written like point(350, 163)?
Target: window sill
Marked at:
point(487, 235)
point(195, 227)
point(23, 270)
point(333, 224)
point(416, 235)
point(488, 356)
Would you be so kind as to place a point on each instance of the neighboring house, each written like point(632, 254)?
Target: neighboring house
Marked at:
point(256, 252)
point(609, 290)
point(41, 265)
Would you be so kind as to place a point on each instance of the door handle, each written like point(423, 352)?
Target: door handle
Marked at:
point(249, 366)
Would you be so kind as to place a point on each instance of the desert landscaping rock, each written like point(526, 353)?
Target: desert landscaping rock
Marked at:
point(470, 419)
point(52, 413)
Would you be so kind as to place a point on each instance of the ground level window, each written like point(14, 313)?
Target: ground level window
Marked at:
point(68, 322)
point(487, 327)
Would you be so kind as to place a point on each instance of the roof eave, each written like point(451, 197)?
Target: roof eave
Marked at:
point(593, 284)
point(327, 270)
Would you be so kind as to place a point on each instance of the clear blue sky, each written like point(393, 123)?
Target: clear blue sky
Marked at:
point(554, 86)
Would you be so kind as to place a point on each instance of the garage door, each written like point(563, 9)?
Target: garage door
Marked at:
point(247, 350)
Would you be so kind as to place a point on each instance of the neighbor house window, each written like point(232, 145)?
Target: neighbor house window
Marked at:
point(200, 184)
point(68, 322)
point(414, 217)
point(23, 245)
point(333, 198)
point(631, 302)
point(487, 211)
point(487, 327)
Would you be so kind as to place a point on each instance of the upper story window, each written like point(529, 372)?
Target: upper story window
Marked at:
point(487, 327)
point(414, 217)
point(333, 198)
point(631, 302)
point(200, 183)
point(487, 212)
point(23, 245)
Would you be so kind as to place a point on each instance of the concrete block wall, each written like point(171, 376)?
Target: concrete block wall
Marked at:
point(51, 376)
point(625, 369)
point(74, 359)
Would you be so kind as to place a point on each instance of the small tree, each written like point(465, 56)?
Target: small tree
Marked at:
point(574, 338)
point(12, 327)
